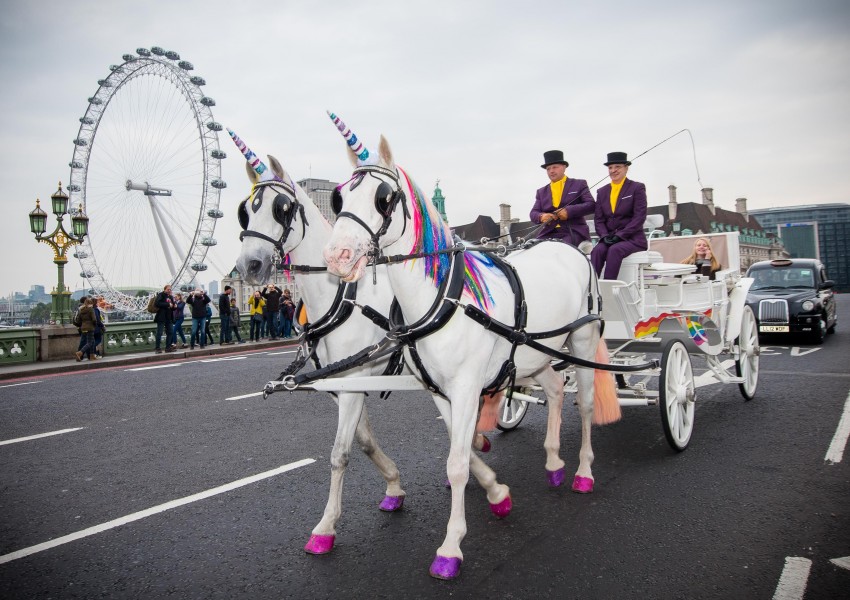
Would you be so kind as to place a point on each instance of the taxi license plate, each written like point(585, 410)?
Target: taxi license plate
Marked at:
point(774, 328)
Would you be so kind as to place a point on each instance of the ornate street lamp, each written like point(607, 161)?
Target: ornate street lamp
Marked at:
point(60, 240)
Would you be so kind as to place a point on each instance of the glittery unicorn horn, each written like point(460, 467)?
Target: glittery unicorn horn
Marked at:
point(259, 166)
point(356, 145)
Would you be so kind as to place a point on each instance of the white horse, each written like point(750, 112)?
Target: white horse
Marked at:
point(380, 207)
point(278, 214)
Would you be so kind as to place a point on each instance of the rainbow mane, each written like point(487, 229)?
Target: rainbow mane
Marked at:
point(432, 234)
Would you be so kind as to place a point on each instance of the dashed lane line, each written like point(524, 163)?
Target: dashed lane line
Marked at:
point(65, 539)
point(40, 435)
point(792, 582)
point(839, 440)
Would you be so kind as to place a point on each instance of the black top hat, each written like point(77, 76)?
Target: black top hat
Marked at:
point(554, 157)
point(617, 158)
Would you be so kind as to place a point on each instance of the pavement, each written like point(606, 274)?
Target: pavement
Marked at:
point(24, 370)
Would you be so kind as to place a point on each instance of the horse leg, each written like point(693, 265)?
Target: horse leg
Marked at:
point(323, 535)
point(583, 344)
point(460, 416)
point(553, 386)
point(394, 495)
point(498, 494)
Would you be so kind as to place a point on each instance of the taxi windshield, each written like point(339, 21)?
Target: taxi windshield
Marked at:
point(783, 277)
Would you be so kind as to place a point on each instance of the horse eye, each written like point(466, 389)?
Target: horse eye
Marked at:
point(280, 208)
point(336, 201)
point(242, 214)
point(383, 198)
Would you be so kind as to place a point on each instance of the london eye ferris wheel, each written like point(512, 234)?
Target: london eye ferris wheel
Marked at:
point(146, 170)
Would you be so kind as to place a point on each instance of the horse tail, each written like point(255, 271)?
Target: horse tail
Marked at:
point(606, 407)
point(489, 412)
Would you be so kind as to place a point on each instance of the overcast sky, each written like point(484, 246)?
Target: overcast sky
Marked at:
point(470, 93)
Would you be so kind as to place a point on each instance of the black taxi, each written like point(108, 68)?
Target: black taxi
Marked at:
point(793, 296)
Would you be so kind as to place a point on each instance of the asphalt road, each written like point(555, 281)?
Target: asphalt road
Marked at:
point(716, 521)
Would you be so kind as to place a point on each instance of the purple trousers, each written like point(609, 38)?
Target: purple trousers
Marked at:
point(612, 257)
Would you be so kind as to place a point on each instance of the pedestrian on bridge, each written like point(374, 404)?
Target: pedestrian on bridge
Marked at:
point(179, 317)
point(198, 301)
point(224, 333)
point(164, 320)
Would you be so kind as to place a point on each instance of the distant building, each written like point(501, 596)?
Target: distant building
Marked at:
point(693, 218)
point(213, 290)
point(439, 201)
point(320, 191)
point(814, 231)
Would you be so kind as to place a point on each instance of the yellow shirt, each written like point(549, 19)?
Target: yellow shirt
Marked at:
point(615, 193)
point(557, 188)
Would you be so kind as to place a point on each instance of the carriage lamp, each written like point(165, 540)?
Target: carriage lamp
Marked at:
point(60, 240)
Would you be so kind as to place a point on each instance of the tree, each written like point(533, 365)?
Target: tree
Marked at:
point(40, 314)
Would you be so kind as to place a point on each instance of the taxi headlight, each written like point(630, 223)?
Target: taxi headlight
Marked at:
point(808, 305)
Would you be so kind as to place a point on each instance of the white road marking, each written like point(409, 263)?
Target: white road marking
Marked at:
point(65, 539)
point(154, 367)
point(285, 352)
point(839, 440)
point(40, 435)
point(14, 384)
point(245, 396)
point(797, 351)
point(843, 562)
point(792, 583)
point(224, 358)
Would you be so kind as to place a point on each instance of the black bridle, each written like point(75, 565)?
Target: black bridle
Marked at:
point(285, 207)
point(386, 201)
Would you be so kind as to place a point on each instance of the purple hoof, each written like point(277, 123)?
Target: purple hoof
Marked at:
point(556, 478)
point(582, 485)
point(319, 544)
point(485, 445)
point(448, 484)
point(391, 503)
point(445, 567)
point(503, 508)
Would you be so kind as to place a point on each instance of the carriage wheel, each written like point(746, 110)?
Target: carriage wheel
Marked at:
point(676, 395)
point(747, 363)
point(511, 416)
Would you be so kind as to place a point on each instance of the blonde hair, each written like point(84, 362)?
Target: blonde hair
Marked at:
point(692, 259)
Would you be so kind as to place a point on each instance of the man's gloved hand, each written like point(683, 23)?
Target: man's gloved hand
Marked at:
point(612, 239)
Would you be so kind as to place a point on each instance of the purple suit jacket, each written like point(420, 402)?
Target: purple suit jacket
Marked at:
point(578, 202)
point(627, 220)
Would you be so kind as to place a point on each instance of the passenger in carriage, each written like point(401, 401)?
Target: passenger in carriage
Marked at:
point(562, 205)
point(704, 259)
point(619, 217)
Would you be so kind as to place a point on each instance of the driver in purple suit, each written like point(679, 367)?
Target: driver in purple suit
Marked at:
point(619, 217)
point(562, 205)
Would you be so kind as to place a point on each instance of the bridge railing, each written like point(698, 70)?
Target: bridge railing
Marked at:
point(59, 342)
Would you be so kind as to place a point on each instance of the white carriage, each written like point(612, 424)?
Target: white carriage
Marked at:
point(658, 305)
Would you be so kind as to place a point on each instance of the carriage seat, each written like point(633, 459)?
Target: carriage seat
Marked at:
point(633, 262)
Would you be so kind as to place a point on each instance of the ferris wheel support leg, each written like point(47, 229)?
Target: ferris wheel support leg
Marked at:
point(158, 221)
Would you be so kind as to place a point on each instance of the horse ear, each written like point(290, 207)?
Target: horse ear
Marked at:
point(276, 168)
point(252, 174)
point(385, 153)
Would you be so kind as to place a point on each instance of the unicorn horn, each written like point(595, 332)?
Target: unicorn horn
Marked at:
point(356, 146)
point(259, 166)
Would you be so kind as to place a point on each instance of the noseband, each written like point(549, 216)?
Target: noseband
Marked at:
point(386, 201)
point(285, 205)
